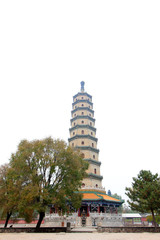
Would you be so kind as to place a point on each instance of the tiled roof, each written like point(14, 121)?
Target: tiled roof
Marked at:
point(88, 196)
point(98, 196)
point(106, 197)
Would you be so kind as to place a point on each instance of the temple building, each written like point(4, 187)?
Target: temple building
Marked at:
point(83, 136)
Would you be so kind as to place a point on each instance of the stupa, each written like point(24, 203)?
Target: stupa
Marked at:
point(83, 136)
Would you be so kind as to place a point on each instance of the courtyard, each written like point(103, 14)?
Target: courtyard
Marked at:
point(80, 236)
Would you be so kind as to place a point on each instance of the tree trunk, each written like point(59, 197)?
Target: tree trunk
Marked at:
point(41, 216)
point(154, 220)
point(7, 218)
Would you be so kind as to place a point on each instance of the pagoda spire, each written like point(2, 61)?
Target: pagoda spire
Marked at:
point(82, 86)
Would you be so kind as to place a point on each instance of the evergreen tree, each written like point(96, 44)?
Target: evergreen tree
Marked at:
point(144, 195)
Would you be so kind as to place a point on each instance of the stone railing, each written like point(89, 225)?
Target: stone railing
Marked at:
point(106, 219)
point(128, 229)
point(55, 220)
point(106, 215)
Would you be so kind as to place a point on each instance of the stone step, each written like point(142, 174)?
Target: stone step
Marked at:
point(84, 230)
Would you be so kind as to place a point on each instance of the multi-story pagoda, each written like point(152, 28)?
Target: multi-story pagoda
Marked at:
point(83, 136)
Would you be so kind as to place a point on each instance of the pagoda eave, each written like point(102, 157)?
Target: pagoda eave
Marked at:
point(82, 108)
point(95, 176)
point(81, 94)
point(82, 101)
point(82, 117)
point(98, 163)
point(82, 126)
point(88, 148)
point(82, 136)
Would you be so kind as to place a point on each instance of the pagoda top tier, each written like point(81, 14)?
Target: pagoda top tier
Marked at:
point(82, 92)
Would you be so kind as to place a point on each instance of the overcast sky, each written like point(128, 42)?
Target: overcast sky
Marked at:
point(48, 47)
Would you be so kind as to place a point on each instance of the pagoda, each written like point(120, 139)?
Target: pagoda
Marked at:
point(83, 137)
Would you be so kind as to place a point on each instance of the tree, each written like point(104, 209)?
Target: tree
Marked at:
point(51, 173)
point(150, 218)
point(144, 194)
point(115, 195)
point(4, 192)
point(127, 209)
point(9, 192)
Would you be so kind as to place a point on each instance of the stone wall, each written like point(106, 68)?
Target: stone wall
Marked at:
point(33, 230)
point(99, 229)
point(127, 229)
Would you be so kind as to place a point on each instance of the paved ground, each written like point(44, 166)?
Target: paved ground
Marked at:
point(80, 236)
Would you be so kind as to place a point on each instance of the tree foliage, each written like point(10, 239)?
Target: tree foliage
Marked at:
point(9, 192)
point(150, 218)
point(144, 195)
point(46, 172)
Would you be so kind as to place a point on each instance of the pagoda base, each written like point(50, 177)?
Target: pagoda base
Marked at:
point(97, 209)
point(94, 220)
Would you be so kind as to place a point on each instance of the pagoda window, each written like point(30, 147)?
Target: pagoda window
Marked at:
point(90, 124)
point(73, 133)
point(94, 157)
point(82, 105)
point(91, 133)
point(82, 122)
point(75, 106)
point(92, 144)
point(74, 124)
point(82, 98)
point(72, 144)
point(96, 185)
point(89, 107)
point(74, 115)
point(82, 113)
point(82, 132)
point(83, 185)
point(82, 142)
point(89, 114)
point(95, 171)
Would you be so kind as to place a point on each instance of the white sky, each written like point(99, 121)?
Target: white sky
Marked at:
point(48, 47)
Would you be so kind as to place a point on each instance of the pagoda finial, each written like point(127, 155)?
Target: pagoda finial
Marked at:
point(82, 86)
